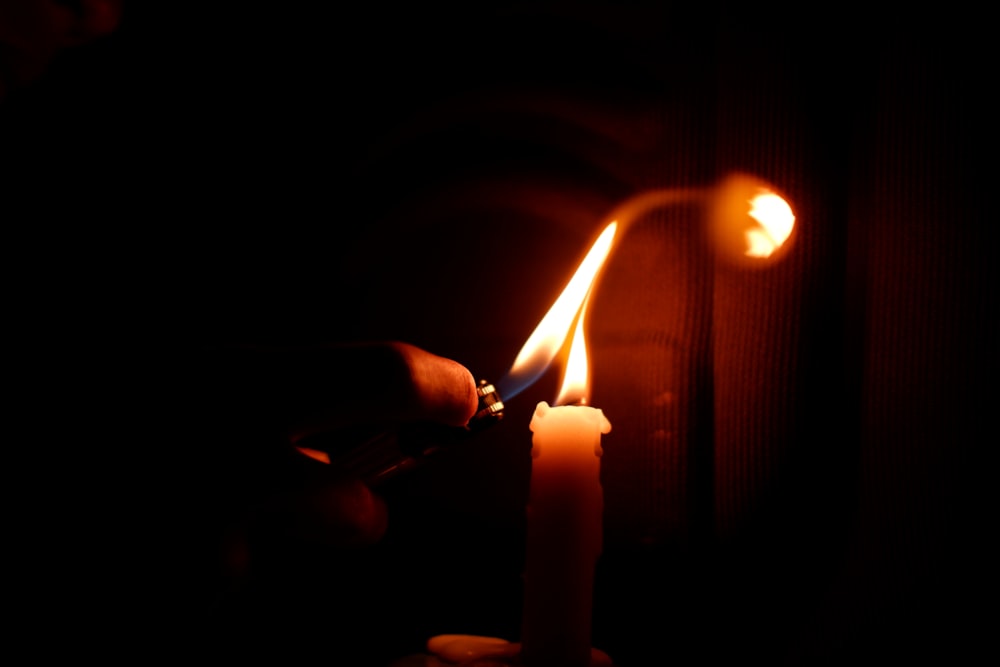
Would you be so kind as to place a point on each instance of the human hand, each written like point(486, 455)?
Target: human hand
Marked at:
point(334, 389)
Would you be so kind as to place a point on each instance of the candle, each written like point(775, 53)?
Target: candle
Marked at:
point(564, 535)
point(565, 502)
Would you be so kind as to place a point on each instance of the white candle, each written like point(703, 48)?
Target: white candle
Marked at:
point(564, 535)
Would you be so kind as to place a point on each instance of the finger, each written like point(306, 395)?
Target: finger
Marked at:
point(337, 516)
point(443, 390)
point(288, 529)
point(338, 387)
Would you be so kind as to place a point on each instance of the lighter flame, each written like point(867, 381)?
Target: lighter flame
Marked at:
point(776, 221)
point(552, 332)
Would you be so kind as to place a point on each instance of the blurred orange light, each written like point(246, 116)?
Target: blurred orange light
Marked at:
point(750, 222)
point(776, 221)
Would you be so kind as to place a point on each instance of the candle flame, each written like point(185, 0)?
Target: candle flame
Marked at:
point(576, 375)
point(552, 332)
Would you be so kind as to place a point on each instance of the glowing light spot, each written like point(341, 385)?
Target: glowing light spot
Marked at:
point(750, 221)
point(776, 222)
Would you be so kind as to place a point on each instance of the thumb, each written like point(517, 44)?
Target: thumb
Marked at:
point(329, 389)
point(336, 516)
point(339, 514)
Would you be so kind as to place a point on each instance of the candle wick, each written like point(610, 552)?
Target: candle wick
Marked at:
point(580, 402)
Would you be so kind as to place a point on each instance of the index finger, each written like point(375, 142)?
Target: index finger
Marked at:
point(341, 386)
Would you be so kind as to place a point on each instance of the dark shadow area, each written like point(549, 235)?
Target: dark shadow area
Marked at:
point(794, 470)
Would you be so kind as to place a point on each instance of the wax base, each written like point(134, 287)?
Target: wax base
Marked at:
point(456, 650)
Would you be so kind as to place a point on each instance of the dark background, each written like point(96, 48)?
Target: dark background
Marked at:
point(794, 474)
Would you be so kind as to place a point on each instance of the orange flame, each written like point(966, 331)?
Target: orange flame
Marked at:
point(576, 376)
point(552, 332)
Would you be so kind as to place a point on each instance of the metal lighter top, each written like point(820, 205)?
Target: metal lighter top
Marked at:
point(490, 409)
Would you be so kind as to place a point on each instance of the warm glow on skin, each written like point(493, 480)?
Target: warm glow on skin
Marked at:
point(551, 333)
point(316, 454)
point(469, 649)
point(776, 221)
